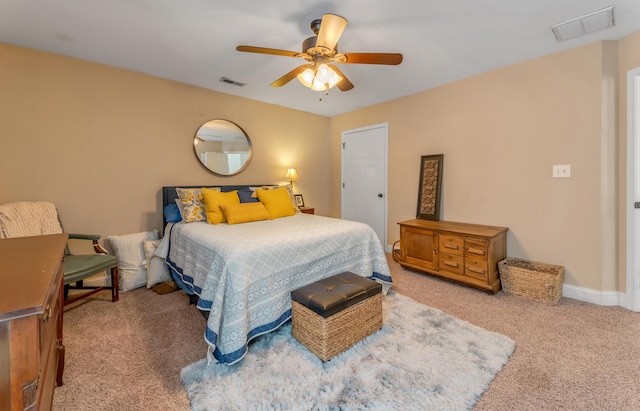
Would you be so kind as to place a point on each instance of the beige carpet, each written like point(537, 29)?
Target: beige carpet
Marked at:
point(574, 356)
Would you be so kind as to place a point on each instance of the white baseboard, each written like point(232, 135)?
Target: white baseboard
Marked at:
point(604, 298)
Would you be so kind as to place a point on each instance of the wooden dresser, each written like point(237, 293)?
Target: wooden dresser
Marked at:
point(31, 350)
point(460, 252)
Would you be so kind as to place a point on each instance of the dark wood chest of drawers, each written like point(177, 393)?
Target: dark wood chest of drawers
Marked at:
point(31, 349)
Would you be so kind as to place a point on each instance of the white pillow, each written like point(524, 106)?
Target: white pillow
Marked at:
point(157, 270)
point(180, 207)
point(129, 250)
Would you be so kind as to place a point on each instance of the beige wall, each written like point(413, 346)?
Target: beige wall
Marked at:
point(500, 133)
point(100, 142)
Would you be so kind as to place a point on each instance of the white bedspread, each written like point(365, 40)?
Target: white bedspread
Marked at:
point(244, 273)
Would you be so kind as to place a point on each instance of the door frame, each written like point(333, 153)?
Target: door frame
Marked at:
point(632, 298)
point(385, 127)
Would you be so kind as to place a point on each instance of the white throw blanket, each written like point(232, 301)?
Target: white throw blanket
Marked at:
point(28, 218)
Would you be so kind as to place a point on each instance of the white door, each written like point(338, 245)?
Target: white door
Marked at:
point(364, 177)
point(633, 190)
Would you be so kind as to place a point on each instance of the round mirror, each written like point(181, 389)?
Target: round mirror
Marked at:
point(222, 147)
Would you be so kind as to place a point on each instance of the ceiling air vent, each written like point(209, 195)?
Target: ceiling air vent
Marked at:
point(589, 23)
point(233, 82)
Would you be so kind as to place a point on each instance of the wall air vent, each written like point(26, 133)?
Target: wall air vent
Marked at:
point(233, 82)
point(589, 23)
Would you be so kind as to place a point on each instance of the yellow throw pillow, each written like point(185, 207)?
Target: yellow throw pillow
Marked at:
point(286, 187)
point(245, 212)
point(253, 190)
point(277, 202)
point(193, 203)
point(213, 200)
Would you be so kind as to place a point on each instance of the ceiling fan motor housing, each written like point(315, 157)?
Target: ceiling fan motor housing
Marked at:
point(309, 47)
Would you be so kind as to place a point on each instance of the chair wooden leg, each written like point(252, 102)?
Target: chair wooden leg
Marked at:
point(114, 285)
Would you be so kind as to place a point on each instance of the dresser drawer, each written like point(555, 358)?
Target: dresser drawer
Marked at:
point(476, 249)
point(49, 323)
point(49, 318)
point(48, 372)
point(451, 244)
point(451, 263)
point(476, 269)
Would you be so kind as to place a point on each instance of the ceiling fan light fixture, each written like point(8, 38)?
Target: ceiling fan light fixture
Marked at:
point(306, 77)
point(319, 78)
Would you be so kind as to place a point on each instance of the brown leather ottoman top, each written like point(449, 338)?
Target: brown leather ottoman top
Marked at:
point(332, 295)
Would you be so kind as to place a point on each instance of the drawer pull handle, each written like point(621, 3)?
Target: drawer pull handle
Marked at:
point(474, 269)
point(451, 264)
point(47, 313)
point(451, 246)
point(476, 251)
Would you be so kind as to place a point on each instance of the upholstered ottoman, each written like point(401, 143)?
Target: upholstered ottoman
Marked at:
point(332, 314)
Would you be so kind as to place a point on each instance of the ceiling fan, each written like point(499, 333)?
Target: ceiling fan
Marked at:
point(320, 51)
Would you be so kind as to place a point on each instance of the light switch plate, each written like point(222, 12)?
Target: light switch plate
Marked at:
point(562, 170)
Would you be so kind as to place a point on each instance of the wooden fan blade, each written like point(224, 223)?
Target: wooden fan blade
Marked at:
point(331, 29)
point(373, 58)
point(264, 50)
point(289, 76)
point(344, 84)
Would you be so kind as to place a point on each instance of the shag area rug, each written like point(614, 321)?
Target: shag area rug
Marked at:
point(421, 359)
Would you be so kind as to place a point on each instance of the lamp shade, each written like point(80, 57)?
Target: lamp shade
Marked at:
point(319, 77)
point(291, 175)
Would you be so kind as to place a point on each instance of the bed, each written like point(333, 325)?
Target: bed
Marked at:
point(242, 275)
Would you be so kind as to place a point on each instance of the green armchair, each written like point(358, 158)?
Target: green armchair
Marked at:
point(23, 219)
point(80, 266)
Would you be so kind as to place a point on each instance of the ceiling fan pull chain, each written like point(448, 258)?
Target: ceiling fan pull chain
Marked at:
point(326, 92)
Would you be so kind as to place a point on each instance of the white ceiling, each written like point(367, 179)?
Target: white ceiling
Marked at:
point(193, 41)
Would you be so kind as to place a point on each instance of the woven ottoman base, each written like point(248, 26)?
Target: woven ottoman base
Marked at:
point(329, 336)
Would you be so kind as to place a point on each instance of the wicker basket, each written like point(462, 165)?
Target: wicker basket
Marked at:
point(328, 337)
point(395, 251)
point(538, 281)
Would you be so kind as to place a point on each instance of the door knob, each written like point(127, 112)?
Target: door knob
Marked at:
point(380, 195)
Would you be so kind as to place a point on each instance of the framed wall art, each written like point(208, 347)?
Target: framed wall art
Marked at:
point(430, 187)
point(299, 200)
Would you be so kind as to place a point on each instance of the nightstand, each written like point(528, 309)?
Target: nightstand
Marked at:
point(308, 210)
